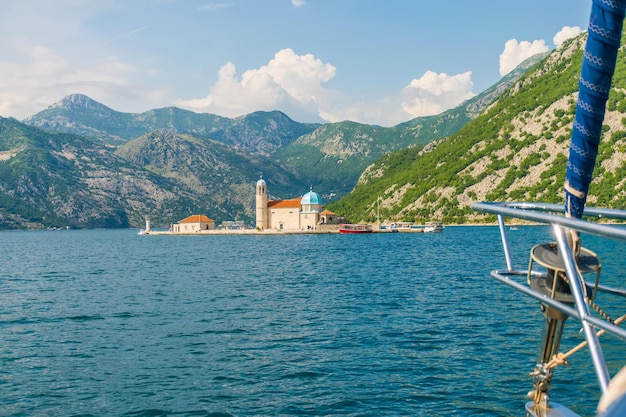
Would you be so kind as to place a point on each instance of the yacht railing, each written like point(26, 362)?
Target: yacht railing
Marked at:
point(567, 252)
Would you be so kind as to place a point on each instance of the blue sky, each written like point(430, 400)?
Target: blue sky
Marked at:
point(370, 61)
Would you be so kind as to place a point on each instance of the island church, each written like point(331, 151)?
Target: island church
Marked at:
point(302, 213)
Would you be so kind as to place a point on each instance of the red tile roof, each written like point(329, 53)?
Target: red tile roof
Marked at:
point(197, 218)
point(293, 203)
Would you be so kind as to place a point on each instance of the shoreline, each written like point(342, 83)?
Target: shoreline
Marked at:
point(305, 232)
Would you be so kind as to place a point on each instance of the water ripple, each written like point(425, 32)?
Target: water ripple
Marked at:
point(109, 323)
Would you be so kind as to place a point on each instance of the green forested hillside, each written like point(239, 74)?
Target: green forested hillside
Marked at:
point(333, 156)
point(517, 150)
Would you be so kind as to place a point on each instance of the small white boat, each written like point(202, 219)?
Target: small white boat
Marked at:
point(405, 227)
point(355, 228)
point(401, 225)
point(434, 227)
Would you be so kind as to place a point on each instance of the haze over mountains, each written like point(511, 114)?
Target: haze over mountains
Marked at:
point(81, 164)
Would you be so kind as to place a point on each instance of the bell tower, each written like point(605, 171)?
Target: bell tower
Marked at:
point(261, 204)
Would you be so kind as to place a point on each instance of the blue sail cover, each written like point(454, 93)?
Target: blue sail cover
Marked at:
point(604, 36)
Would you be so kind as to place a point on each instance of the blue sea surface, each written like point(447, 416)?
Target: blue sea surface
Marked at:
point(109, 323)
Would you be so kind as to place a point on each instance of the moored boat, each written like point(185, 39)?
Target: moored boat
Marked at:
point(433, 227)
point(401, 226)
point(405, 227)
point(355, 228)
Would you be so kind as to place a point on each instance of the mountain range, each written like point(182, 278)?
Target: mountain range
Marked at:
point(81, 164)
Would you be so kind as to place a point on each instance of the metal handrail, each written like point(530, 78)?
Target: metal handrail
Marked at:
point(504, 276)
point(576, 285)
point(543, 213)
point(553, 214)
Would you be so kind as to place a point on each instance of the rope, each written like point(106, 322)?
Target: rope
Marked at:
point(561, 358)
point(588, 300)
point(599, 310)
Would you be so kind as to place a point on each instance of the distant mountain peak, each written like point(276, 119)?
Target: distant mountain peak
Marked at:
point(78, 101)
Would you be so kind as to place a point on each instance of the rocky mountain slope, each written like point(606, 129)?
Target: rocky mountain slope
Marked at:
point(57, 180)
point(50, 179)
point(259, 132)
point(515, 151)
point(222, 176)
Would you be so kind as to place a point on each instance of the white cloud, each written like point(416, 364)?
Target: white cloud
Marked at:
point(290, 82)
point(435, 93)
point(384, 112)
point(37, 77)
point(56, 52)
point(431, 94)
point(294, 84)
point(298, 3)
point(566, 33)
point(516, 52)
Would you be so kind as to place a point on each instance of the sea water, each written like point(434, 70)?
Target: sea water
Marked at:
point(109, 323)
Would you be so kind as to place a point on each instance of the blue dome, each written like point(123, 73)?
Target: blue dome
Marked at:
point(260, 182)
point(311, 198)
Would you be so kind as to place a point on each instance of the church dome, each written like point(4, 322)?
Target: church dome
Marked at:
point(261, 183)
point(311, 198)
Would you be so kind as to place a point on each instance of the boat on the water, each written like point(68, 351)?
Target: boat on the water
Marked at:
point(401, 226)
point(355, 228)
point(563, 276)
point(433, 227)
point(405, 227)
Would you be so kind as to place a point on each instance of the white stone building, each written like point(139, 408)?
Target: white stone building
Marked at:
point(301, 213)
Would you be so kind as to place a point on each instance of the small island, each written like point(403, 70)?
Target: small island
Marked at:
point(305, 214)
